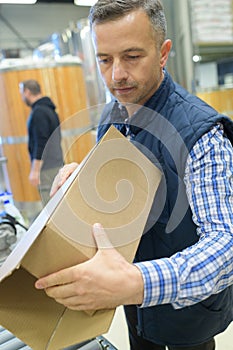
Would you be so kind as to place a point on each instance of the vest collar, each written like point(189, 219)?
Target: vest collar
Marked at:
point(142, 118)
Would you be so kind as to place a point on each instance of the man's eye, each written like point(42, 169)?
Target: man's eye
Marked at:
point(103, 60)
point(133, 57)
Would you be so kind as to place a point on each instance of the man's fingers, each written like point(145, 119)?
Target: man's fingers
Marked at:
point(55, 185)
point(54, 279)
point(67, 276)
point(101, 237)
point(62, 176)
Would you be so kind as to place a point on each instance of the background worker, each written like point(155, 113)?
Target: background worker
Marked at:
point(44, 138)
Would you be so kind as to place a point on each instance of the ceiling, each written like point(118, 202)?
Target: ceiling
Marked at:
point(58, 1)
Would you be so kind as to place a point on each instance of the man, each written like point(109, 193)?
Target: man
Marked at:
point(44, 138)
point(178, 291)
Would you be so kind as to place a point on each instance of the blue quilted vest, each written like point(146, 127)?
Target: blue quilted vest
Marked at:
point(165, 130)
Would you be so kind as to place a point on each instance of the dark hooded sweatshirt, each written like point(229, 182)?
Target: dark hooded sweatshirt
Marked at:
point(44, 134)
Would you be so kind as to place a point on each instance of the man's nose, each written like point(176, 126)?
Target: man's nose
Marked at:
point(119, 72)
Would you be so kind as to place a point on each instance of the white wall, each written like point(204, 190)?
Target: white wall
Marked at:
point(36, 22)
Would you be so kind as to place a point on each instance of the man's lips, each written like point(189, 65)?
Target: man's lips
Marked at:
point(123, 90)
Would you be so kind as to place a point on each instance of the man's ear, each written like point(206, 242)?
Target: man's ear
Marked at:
point(164, 52)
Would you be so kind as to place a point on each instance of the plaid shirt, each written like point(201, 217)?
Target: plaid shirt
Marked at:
point(205, 268)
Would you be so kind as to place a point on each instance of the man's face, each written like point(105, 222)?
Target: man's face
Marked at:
point(129, 57)
point(24, 95)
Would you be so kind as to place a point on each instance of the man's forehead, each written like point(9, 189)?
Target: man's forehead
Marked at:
point(129, 50)
point(130, 31)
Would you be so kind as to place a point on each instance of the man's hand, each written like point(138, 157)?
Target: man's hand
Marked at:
point(34, 178)
point(62, 176)
point(104, 282)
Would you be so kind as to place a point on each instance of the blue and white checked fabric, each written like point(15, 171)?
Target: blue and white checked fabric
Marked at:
point(205, 268)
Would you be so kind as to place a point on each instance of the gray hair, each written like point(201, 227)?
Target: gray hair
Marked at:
point(32, 85)
point(109, 10)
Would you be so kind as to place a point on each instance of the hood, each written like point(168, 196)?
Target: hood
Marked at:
point(45, 101)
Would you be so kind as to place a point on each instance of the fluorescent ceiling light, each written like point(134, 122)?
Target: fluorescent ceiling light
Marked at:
point(18, 2)
point(85, 2)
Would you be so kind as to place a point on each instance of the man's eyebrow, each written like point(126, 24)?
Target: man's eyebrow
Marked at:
point(98, 54)
point(131, 49)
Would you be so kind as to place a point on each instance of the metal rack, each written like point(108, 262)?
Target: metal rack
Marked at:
point(9, 342)
point(4, 180)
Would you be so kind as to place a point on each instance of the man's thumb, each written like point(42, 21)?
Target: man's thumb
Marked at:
point(101, 237)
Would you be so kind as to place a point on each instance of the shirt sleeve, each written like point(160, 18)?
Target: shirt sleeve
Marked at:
point(41, 132)
point(205, 268)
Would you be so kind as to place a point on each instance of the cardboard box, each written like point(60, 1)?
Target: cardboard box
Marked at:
point(114, 185)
